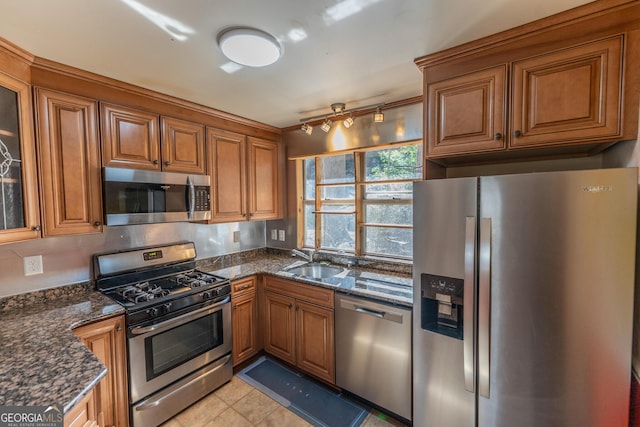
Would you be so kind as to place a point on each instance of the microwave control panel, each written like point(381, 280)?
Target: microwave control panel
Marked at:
point(202, 199)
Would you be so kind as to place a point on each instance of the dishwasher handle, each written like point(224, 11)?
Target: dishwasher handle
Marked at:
point(389, 315)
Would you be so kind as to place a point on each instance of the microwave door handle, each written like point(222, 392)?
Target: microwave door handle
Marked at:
point(192, 198)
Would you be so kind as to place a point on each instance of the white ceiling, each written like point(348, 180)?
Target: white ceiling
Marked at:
point(356, 51)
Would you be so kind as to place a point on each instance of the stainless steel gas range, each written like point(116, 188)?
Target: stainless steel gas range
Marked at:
point(178, 327)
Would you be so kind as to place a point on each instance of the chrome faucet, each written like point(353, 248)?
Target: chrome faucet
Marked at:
point(308, 257)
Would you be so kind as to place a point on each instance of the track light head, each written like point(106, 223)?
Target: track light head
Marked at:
point(348, 122)
point(326, 125)
point(378, 116)
point(307, 129)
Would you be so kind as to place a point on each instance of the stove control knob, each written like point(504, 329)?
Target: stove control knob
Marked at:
point(206, 295)
point(153, 311)
point(165, 308)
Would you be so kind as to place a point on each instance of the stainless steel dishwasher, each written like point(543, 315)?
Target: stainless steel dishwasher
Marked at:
point(373, 352)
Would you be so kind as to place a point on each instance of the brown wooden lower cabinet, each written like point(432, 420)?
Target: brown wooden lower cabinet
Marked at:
point(299, 326)
point(107, 340)
point(83, 413)
point(244, 318)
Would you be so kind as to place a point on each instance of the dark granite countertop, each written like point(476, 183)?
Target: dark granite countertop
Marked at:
point(386, 286)
point(42, 362)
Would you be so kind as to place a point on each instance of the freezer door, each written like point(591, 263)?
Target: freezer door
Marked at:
point(555, 344)
point(444, 226)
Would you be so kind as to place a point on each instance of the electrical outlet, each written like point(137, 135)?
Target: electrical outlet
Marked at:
point(281, 235)
point(33, 265)
point(236, 236)
point(274, 234)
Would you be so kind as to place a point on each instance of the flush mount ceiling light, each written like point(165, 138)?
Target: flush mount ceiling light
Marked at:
point(249, 46)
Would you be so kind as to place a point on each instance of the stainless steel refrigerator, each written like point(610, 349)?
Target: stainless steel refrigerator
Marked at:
point(523, 299)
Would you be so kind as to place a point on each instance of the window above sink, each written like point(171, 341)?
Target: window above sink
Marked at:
point(360, 203)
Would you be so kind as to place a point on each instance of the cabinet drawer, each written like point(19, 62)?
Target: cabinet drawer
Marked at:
point(309, 293)
point(243, 286)
point(83, 413)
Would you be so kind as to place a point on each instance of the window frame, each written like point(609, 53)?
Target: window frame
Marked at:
point(359, 202)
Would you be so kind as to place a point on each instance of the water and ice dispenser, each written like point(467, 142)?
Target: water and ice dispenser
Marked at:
point(441, 304)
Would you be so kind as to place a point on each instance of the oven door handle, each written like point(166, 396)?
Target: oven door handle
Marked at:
point(180, 320)
point(176, 388)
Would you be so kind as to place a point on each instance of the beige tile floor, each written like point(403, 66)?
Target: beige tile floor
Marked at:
point(239, 404)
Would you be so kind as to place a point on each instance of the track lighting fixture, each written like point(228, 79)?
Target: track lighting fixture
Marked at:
point(339, 109)
point(348, 122)
point(378, 116)
point(307, 129)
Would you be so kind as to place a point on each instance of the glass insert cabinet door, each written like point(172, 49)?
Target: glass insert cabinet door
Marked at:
point(19, 219)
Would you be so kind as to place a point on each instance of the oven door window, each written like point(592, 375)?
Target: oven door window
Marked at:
point(168, 349)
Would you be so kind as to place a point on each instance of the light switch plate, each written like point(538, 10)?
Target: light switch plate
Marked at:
point(236, 236)
point(281, 235)
point(274, 234)
point(33, 265)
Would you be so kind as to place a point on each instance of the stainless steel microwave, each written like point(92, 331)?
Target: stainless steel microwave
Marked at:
point(134, 196)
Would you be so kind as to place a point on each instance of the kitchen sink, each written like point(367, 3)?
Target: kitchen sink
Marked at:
point(315, 271)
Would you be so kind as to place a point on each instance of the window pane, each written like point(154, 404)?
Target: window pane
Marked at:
point(337, 169)
point(396, 242)
point(338, 232)
point(388, 214)
point(324, 207)
point(309, 226)
point(394, 163)
point(341, 192)
point(310, 179)
point(389, 191)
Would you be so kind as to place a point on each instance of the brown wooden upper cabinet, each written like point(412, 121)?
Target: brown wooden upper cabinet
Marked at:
point(572, 95)
point(141, 140)
point(465, 114)
point(569, 96)
point(19, 208)
point(245, 177)
point(69, 151)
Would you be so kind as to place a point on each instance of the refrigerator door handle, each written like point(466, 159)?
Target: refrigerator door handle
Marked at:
point(468, 332)
point(484, 306)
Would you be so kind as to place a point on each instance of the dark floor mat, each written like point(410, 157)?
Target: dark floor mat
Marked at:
point(312, 401)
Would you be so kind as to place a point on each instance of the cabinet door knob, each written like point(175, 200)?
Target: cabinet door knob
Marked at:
point(155, 162)
point(36, 228)
point(290, 305)
point(497, 136)
point(97, 223)
point(167, 163)
point(517, 134)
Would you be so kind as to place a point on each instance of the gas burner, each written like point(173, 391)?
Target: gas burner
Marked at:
point(141, 292)
point(195, 279)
